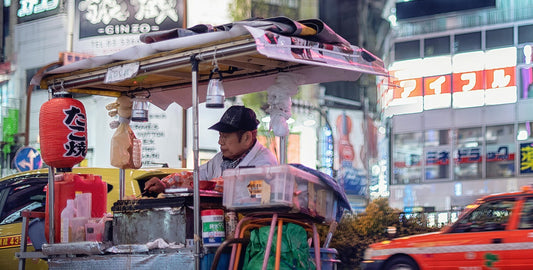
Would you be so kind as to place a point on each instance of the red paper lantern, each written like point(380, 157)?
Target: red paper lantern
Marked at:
point(63, 131)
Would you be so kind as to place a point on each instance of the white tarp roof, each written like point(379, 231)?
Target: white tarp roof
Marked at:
point(250, 55)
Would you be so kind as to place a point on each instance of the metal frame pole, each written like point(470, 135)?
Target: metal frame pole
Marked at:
point(51, 200)
point(122, 184)
point(196, 188)
point(283, 149)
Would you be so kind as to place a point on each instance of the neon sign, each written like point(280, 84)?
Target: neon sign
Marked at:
point(36, 9)
point(458, 81)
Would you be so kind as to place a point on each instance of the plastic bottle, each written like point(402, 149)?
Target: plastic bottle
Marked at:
point(83, 204)
point(66, 215)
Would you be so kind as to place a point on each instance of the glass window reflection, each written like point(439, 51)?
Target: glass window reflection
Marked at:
point(500, 149)
point(437, 154)
point(407, 156)
point(468, 153)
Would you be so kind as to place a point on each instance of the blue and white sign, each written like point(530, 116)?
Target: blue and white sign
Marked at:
point(27, 159)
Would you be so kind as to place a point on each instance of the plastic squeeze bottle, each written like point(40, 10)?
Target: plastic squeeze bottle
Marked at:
point(83, 204)
point(67, 214)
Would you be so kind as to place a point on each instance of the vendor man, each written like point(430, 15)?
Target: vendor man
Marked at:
point(239, 147)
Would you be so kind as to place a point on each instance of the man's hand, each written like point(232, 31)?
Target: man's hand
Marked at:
point(154, 185)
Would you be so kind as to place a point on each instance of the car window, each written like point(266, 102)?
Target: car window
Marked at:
point(526, 216)
point(489, 216)
point(27, 194)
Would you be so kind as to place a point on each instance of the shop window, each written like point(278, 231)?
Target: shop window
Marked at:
point(437, 154)
point(467, 42)
point(406, 50)
point(525, 131)
point(407, 158)
point(498, 38)
point(500, 149)
point(437, 46)
point(525, 34)
point(525, 71)
point(468, 153)
point(526, 82)
point(524, 54)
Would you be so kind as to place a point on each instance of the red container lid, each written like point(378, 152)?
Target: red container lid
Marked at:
point(212, 212)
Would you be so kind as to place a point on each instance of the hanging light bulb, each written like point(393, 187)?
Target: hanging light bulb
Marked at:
point(215, 91)
point(139, 109)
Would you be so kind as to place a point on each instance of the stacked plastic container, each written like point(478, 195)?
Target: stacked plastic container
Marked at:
point(89, 199)
point(273, 187)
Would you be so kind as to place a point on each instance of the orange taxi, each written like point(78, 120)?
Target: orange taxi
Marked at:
point(496, 232)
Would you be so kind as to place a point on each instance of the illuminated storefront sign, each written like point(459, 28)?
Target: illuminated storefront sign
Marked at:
point(494, 153)
point(115, 17)
point(494, 89)
point(526, 158)
point(465, 80)
point(463, 155)
point(32, 10)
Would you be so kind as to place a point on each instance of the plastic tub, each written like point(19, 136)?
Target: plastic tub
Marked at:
point(271, 187)
point(328, 258)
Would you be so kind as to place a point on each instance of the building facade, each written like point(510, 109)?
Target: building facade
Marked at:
point(459, 103)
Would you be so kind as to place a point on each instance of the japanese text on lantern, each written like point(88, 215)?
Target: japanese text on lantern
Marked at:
point(76, 144)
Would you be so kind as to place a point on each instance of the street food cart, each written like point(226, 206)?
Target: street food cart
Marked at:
point(251, 55)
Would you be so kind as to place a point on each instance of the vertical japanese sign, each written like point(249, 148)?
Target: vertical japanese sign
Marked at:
point(526, 158)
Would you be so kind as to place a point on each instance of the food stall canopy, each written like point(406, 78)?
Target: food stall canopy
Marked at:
point(250, 54)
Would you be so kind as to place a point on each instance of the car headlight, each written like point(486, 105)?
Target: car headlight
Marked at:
point(368, 254)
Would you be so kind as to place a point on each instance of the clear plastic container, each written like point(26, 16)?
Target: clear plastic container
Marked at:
point(83, 204)
point(77, 229)
point(94, 230)
point(275, 186)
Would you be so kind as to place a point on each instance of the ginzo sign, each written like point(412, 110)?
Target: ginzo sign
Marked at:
point(115, 17)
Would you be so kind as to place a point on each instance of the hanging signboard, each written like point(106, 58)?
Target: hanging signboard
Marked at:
point(110, 26)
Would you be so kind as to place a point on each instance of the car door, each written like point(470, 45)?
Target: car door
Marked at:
point(521, 237)
point(477, 239)
point(16, 195)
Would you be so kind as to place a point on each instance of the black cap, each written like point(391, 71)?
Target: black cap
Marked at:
point(237, 118)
